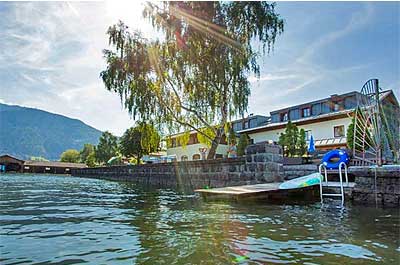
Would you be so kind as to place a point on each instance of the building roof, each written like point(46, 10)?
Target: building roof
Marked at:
point(12, 157)
point(313, 102)
point(251, 116)
point(308, 120)
point(54, 164)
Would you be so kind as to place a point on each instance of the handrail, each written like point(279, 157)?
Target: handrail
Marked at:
point(326, 179)
point(345, 171)
point(325, 172)
point(341, 179)
point(323, 167)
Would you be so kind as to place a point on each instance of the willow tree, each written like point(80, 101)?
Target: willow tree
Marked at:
point(196, 75)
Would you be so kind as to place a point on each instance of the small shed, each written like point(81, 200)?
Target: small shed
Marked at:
point(12, 164)
point(50, 167)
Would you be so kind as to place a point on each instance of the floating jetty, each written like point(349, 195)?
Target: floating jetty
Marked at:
point(260, 191)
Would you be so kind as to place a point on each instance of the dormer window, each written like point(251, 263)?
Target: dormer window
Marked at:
point(284, 116)
point(336, 107)
point(306, 112)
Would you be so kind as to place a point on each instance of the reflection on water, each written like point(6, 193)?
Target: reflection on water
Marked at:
point(58, 219)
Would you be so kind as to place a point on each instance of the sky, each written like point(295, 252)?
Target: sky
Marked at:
point(51, 55)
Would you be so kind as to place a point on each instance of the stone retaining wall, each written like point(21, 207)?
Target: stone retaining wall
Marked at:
point(379, 185)
point(262, 164)
point(295, 171)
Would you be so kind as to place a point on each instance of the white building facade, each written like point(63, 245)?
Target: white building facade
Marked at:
point(327, 120)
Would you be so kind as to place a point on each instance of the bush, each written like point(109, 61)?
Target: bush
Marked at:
point(243, 143)
point(71, 156)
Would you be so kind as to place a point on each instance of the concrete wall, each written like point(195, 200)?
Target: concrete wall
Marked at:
point(193, 149)
point(319, 130)
point(262, 164)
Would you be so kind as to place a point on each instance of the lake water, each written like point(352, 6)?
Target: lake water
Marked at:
point(65, 220)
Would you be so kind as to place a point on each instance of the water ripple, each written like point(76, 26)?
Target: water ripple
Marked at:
point(63, 220)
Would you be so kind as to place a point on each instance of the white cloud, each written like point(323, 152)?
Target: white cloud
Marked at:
point(53, 51)
point(271, 77)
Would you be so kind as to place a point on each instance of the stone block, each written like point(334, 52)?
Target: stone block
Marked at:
point(251, 149)
point(273, 149)
point(246, 176)
point(259, 158)
point(260, 148)
point(232, 168)
point(252, 167)
point(249, 158)
point(391, 199)
point(271, 166)
point(268, 177)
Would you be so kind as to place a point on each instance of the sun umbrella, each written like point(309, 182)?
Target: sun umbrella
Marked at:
point(311, 146)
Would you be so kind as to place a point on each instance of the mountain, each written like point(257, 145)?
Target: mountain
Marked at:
point(26, 132)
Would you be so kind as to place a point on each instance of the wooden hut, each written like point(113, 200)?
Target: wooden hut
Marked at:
point(50, 167)
point(11, 164)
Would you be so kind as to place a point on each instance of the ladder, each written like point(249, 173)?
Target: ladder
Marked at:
point(324, 182)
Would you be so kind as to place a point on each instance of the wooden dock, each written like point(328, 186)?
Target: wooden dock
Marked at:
point(259, 191)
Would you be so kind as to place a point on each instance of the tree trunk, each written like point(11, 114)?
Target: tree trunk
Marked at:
point(214, 144)
point(220, 131)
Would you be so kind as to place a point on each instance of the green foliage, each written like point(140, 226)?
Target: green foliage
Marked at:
point(86, 151)
point(183, 139)
point(350, 135)
point(107, 147)
point(87, 155)
point(38, 158)
point(91, 160)
point(199, 72)
point(140, 140)
point(231, 135)
point(243, 143)
point(70, 155)
point(206, 135)
point(301, 143)
point(293, 142)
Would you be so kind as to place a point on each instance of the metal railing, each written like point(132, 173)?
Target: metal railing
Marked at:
point(321, 168)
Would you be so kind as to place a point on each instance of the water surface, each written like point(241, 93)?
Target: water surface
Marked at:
point(46, 219)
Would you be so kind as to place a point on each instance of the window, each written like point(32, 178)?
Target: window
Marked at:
point(326, 108)
point(275, 117)
point(173, 143)
point(294, 114)
point(193, 139)
point(338, 131)
point(308, 135)
point(316, 109)
point(184, 158)
point(196, 157)
point(306, 112)
point(284, 117)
